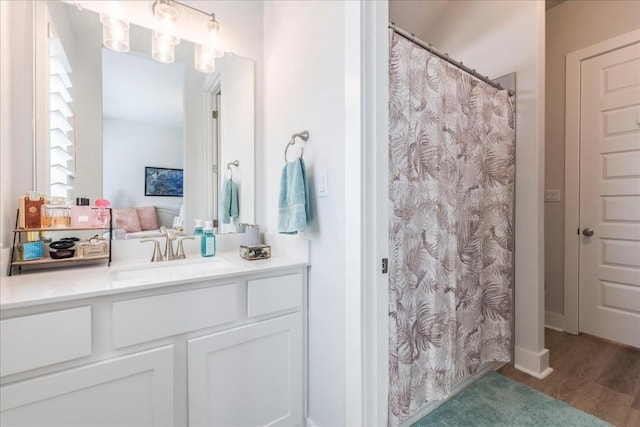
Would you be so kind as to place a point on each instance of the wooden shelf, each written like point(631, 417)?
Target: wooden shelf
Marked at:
point(45, 261)
point(48, 261)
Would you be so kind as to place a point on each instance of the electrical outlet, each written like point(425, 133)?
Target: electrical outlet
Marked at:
point(323, 184)
point(552, 196)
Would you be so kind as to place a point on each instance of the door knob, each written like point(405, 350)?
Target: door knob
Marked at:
point(588, 232)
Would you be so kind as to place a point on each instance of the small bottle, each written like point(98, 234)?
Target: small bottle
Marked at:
point(197, 231)
point(208, 241)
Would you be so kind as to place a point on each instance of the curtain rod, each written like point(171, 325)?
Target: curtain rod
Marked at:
point(412, 38)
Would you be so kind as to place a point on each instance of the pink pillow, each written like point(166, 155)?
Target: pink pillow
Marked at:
point(127, 219)
point(148, 218)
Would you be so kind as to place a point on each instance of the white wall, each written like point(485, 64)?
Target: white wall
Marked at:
point(304, 72)
point(605, 19)
point(497, 38)
point(5, 131)
point(17, 134)
point(129, 147)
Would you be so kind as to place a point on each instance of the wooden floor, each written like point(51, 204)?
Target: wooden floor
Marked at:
point(592, 375)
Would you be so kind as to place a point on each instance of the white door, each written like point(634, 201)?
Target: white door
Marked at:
point(248, 376)
point(609, 276)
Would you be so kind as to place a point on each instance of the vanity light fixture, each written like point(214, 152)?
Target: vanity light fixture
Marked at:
point(164, 38)
point(115, 33)
point(115, 29)
point(205, 54)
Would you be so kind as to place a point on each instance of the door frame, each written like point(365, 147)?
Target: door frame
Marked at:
point(572, 170)
point(211, 167)
point(366, 199)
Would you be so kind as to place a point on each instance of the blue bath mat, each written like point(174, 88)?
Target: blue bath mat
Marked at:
point(495, 400)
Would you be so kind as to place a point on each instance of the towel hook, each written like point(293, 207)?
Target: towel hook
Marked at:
point(304, 135)
point(235, 163)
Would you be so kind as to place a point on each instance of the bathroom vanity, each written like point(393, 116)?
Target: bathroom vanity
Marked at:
point(213, 342)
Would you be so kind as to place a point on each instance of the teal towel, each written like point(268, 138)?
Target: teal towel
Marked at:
point(229, 201)
point(295, 212)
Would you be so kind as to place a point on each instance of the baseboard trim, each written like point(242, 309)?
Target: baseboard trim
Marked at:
point(308, 422)
point(554, 321)
point(433, 405)
point(532, 363)
point(537, 375)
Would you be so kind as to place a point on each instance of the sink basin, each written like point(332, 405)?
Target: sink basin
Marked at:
point(170, 270)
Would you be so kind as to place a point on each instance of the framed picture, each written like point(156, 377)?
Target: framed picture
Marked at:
point(163, 182)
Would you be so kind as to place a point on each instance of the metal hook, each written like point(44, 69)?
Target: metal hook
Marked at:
point(304, 135)
point(235, 163)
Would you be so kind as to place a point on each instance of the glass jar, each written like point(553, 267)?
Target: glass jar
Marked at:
point(55, 216)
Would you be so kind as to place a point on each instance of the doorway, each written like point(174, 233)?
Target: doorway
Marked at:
point(602, 215)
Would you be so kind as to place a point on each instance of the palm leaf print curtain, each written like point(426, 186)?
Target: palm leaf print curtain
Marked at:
point(451, 160)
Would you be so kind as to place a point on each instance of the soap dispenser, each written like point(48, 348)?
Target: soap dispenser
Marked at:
point(208, 241)
point(197, 231)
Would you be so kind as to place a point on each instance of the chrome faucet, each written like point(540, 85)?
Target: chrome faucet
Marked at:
point(180, 254)
point(157, 255)
point(169, 254)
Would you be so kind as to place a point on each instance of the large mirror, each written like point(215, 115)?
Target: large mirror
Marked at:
point(129, 113)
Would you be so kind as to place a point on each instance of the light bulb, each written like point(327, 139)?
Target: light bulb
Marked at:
point(115, 33)
point(214, 43)
point(166, 15)
point(204, 59)
point(162, 48)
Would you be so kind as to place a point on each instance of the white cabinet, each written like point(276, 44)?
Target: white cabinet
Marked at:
point(174, 313)
point(30, 342)
point(273, 294)
point(135, 390)
point(212, 352)
point(248, 376)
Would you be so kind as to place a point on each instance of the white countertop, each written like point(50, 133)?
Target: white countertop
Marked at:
point(35, 288)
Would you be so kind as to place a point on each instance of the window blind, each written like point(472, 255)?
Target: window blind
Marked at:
point(61, 121)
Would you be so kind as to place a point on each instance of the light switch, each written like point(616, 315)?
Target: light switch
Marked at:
point(552, 196)
point(323, 184)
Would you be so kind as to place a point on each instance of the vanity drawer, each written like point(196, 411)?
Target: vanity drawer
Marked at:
point(274, 294)
point(38, 340)
point(146, 319)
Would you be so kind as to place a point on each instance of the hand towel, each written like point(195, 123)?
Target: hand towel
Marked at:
point(295, 210)
point(229, 201)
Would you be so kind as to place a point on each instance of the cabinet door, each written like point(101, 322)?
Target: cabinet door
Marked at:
point(249, 376)
point(134, 390)
point(30, 342)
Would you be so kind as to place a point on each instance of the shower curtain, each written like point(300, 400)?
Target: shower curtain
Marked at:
point(451, 183)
